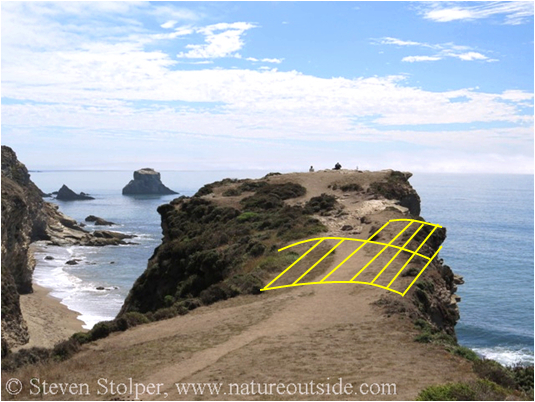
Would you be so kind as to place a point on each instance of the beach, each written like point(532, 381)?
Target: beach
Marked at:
point(49, 321)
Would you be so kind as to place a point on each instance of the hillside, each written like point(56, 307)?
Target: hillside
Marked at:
point(210, 322)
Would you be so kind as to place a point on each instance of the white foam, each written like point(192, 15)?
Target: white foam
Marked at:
point(507, 356)
point(78, 295)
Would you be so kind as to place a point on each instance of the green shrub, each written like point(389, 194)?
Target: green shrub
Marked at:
point(205, 190)
point(256, 249)
point(351, 187)
point(25, 357)
point(322, 203)
point(231, 192)
point(81, 337)
point(463, 351)
point(164, 313)
point(480, 390)
point(66, 349)
point(412, 271)
point(495, 372)
point(102, 330)
point(523, 376)
point(247, 216)
point(169, 300)
point(251, 185)
point(130, 320)
point(272, 174)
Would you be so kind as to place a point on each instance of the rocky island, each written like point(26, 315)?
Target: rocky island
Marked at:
point(66, 194)
point(147, 181)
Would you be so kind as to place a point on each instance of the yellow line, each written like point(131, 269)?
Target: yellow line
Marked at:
point(414, 220)
point(325, 283)
point(320, 260)
point(399, 251)
point(381, 252)
point(354, 252)
point(357, 240)
point(417, 276)
point(295, 262)
point(412, 256)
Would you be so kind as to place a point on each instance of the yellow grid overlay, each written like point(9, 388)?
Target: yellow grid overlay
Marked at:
point(319, 240)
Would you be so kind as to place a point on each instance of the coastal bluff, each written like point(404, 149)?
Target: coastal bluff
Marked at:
point(147, 181)
point(27, 218)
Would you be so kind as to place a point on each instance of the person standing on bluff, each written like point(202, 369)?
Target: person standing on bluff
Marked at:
point(337, 166)
point(311, 170)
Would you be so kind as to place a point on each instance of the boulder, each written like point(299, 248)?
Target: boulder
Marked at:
point(146, 181)
point(98, 221)
point(66, 194)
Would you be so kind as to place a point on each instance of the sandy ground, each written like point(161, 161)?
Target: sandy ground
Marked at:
point(49, 321)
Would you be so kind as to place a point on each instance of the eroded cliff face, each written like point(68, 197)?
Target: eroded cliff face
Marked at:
point(27, 218)
point(223, 241)
point(23, 220)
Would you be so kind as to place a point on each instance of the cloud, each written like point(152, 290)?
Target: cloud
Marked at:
point(105, 84)
point(221, 40)
point(265, 60)
point(514, 12)
point(399, 42)
point(470, 56)
point(169, 24)
point(442, 50)
point(276, 61)
point(412, 59)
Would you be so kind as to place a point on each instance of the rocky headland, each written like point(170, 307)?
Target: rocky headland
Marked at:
point(147, 181)
point(197, 314)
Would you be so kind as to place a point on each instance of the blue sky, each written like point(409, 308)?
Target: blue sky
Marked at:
point(419, 86)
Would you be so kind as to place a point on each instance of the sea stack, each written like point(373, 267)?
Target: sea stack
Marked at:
point(146, 181)
point(66, 194)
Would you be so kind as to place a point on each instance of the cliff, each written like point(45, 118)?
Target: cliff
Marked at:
point(223, 242)
point(27, 218)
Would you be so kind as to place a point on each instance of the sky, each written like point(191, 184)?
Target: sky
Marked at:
point(413, 86)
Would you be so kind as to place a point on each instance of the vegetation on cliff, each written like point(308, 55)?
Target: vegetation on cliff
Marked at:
point(213, 252)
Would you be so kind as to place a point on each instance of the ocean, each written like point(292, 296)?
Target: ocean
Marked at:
point(489, 221)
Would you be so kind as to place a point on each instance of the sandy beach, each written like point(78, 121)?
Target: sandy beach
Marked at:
point(49, 321)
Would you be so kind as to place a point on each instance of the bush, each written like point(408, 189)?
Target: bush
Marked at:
point(465, 352)
point(231, 192)
point(66, 349)
point(412, 271)
point(480, 390)
point(213, 294)
point(205, 190)
point(322, 203)
point(256, 249)
point(523, 376)
point(164, 313)
point(495, 372)
point(351, 187)
point(81, 337)
point(102, 330)
point(247, 216)
point(130, 320)
point(25, 357)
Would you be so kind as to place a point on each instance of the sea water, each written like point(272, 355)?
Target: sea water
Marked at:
point(489, 221)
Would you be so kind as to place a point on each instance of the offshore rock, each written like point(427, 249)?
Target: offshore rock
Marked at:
point(147, 181)
point(66, 194)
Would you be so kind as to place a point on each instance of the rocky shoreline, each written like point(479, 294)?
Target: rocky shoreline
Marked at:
point(27, 218)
